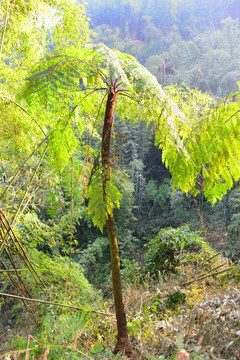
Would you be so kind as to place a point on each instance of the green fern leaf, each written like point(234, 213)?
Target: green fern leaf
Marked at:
point(100, 206)
point(62, 143)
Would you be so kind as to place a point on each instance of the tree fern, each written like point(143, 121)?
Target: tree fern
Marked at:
point(66, 78)
point(205, 146)
point(198, 153)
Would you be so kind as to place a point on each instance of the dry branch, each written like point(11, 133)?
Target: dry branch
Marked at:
point(204, 277)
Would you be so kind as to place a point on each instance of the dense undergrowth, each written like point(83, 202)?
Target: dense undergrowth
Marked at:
point(189, 301)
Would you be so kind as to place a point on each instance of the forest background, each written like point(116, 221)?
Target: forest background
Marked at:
point(192, 44)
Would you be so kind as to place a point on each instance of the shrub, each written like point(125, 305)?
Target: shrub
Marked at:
point(173, 246)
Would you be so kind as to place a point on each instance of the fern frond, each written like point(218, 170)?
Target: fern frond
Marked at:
point(100, 206)
point(206, 145)
point(62, 143)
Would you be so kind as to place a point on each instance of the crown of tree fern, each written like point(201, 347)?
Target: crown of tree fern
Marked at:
point(201, 153)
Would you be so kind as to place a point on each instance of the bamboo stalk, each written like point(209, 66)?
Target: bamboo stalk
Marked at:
point(22, 286)
point(21, 253)
point(213, 269)
point(29, 183)
point(12, 281)
point(4, 28)
point(12, 270)
point(56, 304)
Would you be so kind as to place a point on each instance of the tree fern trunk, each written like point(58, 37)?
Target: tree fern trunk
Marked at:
point(123, 345)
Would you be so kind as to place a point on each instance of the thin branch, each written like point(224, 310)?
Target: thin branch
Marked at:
point(204, 277)
point(95, 68)
point(18, 105)
point(104, 78)
point(57, 304)
point(212, 257)
point(22, 166)
point(122, 94)
point(71, 223)
point(121, 82)
point(115, 83)
point(85, 89)
point(27, 350)
point(213, 269)
point(85, 98)
point(238, 111)
point(123, 90)
point(17, 352)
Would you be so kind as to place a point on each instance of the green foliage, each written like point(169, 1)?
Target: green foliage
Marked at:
point(71, 29)
point(37, 234)
point(179, 204)
point(131, 272)
point(62, 143)
point(63, 104)
point(58, 331)
point(99, 351)
point(214, 173)
point(53, 82)
point(95, 260)
point(175, 40)
point(171, 247)
point(100, 206)
point(60, 275)
point(172, 303)
point(159, 194)
point(175, 300)
point(64, 336)
point(189, 148)
point(23, 128)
